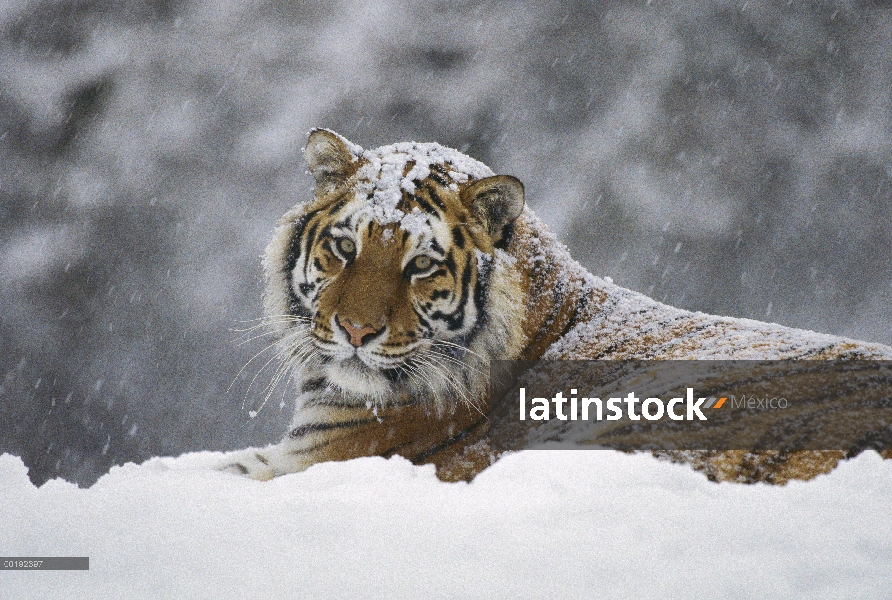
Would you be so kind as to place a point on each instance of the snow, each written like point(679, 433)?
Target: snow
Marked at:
point(384, 179)
point(537, 524)
point(415, 222)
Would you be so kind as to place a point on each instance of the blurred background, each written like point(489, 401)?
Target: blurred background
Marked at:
point(729, 157)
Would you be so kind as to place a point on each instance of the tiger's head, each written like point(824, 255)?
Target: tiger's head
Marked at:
point(391, 281)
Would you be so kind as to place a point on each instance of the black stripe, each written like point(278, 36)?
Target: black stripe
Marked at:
point(439, 169)
point(455, 319)
point(458, 237)
point(403, 204)
point(815, 351)
point(434, 196)
point(447, 442)
point(340, 202)
point(315, 427)
point(581, 305)
point(334, 403)
point(242, 468)
point(296, 246)
point(295, 250)
point(425, 205)
point(481, 292)
point(507, 234)
point(557, 304)
point(311, 238)
point(450, 262)
point(438, 178)
point(394, 375)
point(313, 385)
point(360, 404)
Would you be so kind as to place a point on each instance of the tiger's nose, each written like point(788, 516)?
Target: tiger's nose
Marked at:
point(357, 334)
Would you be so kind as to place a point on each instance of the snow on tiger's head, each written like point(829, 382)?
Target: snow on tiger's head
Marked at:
point(389, 279)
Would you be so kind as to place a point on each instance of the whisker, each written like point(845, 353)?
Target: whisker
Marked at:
point(292, 354)
point(458, 362)
point(292, 345)
point(282, 372)
point(271, 317)
point(252, 338)
point(418, 374)
point(265, 325)
point(281, 353)
point(460, 347)
point(253, 358)
point(269, 321)
point(450, 379)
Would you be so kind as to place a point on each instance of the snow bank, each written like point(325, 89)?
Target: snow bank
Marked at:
point(536, 524)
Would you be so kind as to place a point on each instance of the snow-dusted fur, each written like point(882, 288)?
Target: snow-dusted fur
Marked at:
point(537, 303)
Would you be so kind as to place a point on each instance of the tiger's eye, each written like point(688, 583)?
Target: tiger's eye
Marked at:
point(346, 246)
point(422, 262)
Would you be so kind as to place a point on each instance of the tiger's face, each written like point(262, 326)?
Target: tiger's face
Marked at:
point(389, 281)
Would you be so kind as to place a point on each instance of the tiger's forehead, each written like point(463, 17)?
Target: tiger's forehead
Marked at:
point(406, 190)
point(389, 177)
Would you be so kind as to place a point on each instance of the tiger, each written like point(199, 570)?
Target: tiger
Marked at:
point(411, 268)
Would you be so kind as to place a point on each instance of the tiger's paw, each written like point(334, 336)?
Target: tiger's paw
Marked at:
point(249, 464)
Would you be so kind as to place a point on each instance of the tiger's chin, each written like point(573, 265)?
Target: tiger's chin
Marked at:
point(355, 378)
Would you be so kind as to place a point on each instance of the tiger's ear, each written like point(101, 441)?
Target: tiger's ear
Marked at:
point(331, 158)
point(496, 201)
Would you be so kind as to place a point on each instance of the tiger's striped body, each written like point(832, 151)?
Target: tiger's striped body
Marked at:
point(413, 268)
